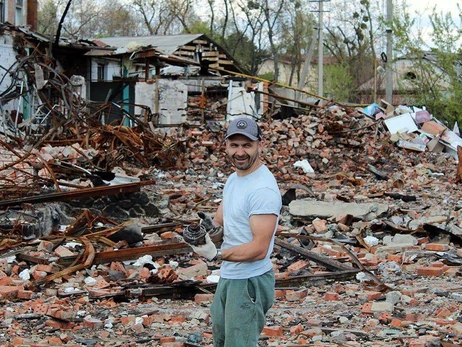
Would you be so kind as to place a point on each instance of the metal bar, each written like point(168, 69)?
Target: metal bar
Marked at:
point(134, 253)
point(78, 194)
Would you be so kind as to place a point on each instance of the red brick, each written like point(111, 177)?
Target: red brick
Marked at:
point(442, 313)
point(330, 296)
point(417, 343)
point(147, 320)
point(199, 269)
point(451, 270)
point(320, 225)
point(4, 265)
point(53, 323)
point(168, 235)
point(178, 319)
point(279, 293)
point(45, 246)
point(394, 257)
point(165, 339)
point(44, 267)
point(298, 266)
point(311, 322)
point(64, 252)
point(138, 328)
point(145, 273)
point(128, 320)
point(371, 296)
point(198, 298)
point(296, 329)
point(25, 294)
point(437, 247)
point(273, 330)
point(367, 308)
point(9, 292)
point(415, 317)
point(36, 274)
point(172, 344)
point(292, 295)
point(395, 322)
point(92, 323)
point(281, 275)
point(429, 271)
point(54, 341)
point(118, 266)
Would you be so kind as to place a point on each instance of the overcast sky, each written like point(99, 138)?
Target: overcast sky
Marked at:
point(441, 5)
point(425, 7)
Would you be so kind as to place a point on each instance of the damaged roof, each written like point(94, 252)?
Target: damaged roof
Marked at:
point(167, 43)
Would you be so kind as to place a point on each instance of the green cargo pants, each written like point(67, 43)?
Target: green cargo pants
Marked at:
point(238, 310)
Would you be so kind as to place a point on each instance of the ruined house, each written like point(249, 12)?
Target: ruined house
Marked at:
point(153, 79)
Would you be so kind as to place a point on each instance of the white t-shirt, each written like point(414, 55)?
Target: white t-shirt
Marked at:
point(244, 196)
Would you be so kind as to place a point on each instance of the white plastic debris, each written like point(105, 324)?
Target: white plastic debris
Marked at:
point(10, 260)
point(146, 259)
point(70, 290)
point(214, 276)
point(213, 279)
point(90, 281)
point(173, 264)
point(25, 275)
point(371, 241)
point(305, 166)
point(361, 276)
point(72, 244)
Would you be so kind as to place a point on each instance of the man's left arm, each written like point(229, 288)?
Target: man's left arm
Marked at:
point(263, 227)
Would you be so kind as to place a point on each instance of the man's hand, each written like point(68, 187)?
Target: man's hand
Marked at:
point(215, 231)
point(207, 250)
point(207, 221)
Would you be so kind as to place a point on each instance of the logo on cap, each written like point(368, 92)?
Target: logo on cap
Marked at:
point(242, 124)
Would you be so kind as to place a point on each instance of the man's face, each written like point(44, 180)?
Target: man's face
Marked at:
point(243, 152)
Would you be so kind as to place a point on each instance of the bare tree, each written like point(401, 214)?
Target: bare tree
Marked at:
point(155, 15)
point(48, 16)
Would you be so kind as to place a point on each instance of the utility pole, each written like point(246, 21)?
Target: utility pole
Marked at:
point(306, 66)
point(389, 70)
point(320, 46)
point(321, 50)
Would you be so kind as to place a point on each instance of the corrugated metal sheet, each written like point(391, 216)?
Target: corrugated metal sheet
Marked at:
point(168, 44)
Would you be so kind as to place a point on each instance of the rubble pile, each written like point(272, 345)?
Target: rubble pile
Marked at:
point(367, 250)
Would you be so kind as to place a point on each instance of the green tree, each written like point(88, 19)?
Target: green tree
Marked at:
point(352, 42)
point(48, 16)
point(338, 82)
point(435, 58)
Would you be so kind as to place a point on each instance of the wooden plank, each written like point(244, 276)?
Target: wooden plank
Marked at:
point(32, 259)
point(210, 54)
point(188, 48)
point(330, 264)
point(315, 279)
point(185, 53)
point(226, 62)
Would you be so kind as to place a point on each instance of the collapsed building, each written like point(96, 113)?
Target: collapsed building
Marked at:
point(110, 148)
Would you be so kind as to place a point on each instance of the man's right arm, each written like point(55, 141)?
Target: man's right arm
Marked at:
point(218, 219)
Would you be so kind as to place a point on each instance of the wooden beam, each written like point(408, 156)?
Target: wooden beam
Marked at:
point(330, 264)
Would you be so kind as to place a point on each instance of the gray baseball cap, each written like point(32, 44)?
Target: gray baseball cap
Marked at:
point(244, 126)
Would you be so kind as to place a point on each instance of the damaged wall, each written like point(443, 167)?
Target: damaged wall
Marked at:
point(8, 54)
point(173, 100)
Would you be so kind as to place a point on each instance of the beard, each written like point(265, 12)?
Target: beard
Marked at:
point(244, 163)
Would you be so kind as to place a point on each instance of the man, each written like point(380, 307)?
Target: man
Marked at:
point(249, 215)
